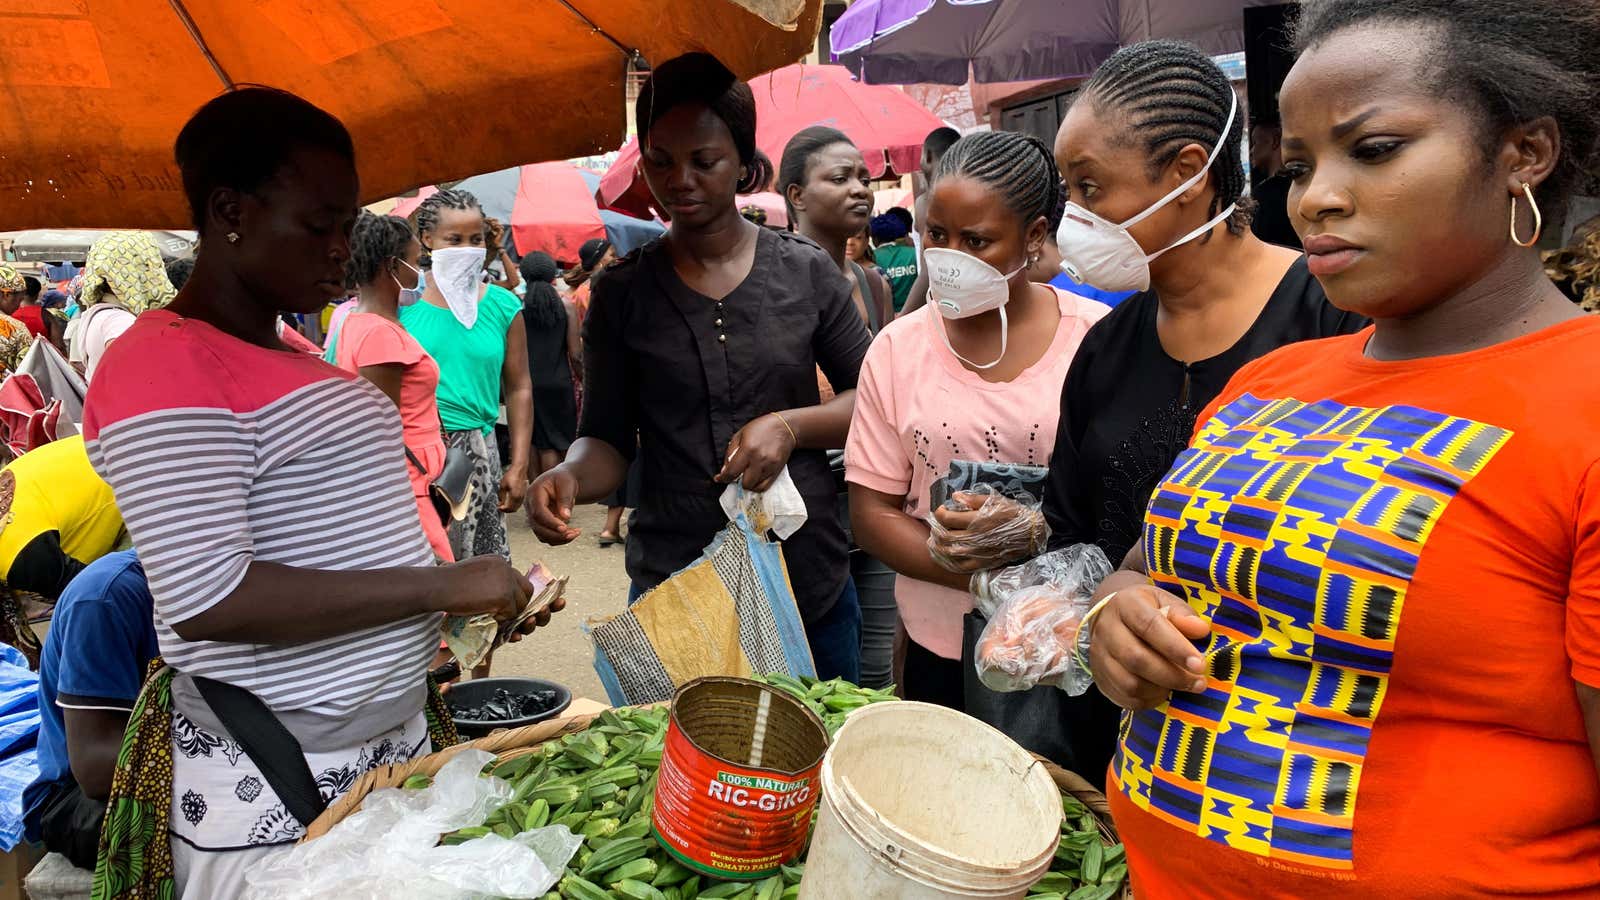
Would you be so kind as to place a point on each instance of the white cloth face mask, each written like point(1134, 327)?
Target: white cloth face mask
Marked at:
point(458, 271)
point(1104, 255)
point(961, 285)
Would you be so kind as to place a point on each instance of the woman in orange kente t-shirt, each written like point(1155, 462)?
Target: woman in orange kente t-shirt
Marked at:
point(1359, 643)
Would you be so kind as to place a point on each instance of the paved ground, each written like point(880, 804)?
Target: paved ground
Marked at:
point(598, 587)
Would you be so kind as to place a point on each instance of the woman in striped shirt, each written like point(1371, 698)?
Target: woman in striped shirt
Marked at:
point(267, 493)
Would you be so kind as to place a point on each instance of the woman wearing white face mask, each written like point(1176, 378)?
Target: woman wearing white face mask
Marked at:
point(972, 380)
point(475, 332)
point(1154, 142)
point(383, 269)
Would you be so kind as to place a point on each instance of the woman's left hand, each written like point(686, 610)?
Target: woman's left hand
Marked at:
point(758, 453)
point(513, 488)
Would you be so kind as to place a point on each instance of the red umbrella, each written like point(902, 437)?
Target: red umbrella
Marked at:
point(554, 211)
point(550, 206)
point(884, 122)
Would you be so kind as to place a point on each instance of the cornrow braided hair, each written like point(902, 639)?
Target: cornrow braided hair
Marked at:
point(428, 213)
point(1173, 95)
point(1019, 166)
point(374, 241)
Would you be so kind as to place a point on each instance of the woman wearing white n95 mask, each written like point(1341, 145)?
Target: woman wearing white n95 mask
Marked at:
point(1150, 152)
point(475, 332)
point(971, 381)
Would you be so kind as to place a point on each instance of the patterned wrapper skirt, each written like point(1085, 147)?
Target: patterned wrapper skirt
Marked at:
point(483, 531)
point(177, 782)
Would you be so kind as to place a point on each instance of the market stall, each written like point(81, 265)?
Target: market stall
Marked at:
point(642, 802)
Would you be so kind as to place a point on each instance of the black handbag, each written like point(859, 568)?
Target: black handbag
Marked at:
point(451, 491)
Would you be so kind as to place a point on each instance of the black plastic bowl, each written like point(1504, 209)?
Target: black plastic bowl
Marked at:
point(471, 693)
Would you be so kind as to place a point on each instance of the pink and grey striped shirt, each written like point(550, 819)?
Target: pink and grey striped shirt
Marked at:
point(222, 453)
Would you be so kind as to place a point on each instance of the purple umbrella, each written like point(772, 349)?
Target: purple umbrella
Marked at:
point(943, 41)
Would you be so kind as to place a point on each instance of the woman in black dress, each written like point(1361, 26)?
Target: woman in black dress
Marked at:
point(703, 347)
point(1152, 147)
point(554, 353)
point(1211, 303)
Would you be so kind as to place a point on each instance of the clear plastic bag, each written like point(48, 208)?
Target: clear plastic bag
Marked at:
point(1033, 612)
point(390, 849)
point(1003, 530)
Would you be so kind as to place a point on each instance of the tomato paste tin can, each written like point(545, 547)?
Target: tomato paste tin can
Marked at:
point(738, 781)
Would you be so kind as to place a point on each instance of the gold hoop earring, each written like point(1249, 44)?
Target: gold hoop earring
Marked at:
point(1538, 220)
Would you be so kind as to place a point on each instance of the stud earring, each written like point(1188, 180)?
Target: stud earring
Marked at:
point(233, 237)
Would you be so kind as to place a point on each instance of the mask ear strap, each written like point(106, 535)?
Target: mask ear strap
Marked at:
point(1195, 233)
point(944, 335)
point(1227, 128)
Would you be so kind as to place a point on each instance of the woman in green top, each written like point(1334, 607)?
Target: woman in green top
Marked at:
point(474, 331)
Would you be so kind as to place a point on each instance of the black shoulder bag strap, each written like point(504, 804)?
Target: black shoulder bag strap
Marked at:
point(869, 296)
point(268, 744)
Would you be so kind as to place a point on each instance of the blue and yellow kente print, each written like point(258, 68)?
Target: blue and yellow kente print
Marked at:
point(1295, 528)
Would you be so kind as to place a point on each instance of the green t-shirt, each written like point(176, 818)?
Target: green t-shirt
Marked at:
point(469, 358)
point(899, 264)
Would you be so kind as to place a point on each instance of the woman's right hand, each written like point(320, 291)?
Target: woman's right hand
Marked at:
point(1141, 649)
point(483, 584)
point(990, 531)
point(549, 506)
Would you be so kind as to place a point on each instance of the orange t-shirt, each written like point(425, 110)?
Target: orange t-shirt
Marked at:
point(1401, 563)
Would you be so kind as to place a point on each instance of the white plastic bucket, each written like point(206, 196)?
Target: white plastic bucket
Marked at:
point(920, 802)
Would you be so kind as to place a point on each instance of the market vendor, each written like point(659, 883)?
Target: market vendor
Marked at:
point(102, 639)
point(296, 601)
point(1371, 585)
point(14, 336)
point(56, 516)
point(705, 345)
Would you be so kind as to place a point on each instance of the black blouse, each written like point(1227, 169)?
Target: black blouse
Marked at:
point(1128, 409)
point(684, 373)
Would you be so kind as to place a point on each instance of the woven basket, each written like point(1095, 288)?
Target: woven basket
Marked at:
point(514, 742)
point(506, 744)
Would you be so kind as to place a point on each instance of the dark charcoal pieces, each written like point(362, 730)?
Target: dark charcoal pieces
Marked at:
point(503, 705)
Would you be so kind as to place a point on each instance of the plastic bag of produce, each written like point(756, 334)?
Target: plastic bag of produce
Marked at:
point(1000, 527)
point(390, 849)
point(730, 612)
point(1033, 612)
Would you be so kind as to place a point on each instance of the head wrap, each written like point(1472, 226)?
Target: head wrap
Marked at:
point(129, 265)
point(10, 280)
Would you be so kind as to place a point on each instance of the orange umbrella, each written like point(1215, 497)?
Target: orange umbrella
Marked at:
point(431, 89)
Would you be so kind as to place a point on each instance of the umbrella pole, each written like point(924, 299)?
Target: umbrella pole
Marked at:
point(626, 51)
point(194, 34)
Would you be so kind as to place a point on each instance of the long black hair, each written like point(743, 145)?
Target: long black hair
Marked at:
point(1018, 166)
point(1509, 63)
point(241, 139)
point(1172, 95)
point(701, 78)
point(795, 166)
point(542, 307)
